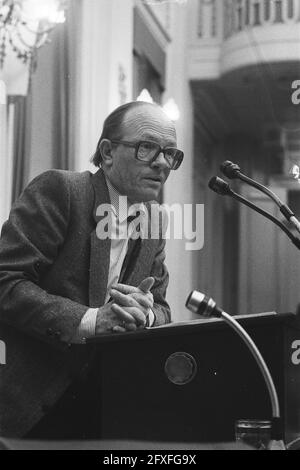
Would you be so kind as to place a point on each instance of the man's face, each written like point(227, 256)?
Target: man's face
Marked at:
point(141, 181)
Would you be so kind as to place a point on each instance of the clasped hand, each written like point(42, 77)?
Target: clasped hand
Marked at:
point(129, 308)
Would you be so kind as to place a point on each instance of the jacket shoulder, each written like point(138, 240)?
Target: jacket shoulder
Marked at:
point(57, 183)
point(56, 177)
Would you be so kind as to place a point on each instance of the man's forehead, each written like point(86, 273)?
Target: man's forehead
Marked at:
point(146, 122)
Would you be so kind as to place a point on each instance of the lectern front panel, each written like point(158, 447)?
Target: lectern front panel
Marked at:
point(188, 385)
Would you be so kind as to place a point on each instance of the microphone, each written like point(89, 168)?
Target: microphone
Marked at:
point(206, 307)
point(202, 305)
point(230, 170)
point(221, 187)
point(233, 171)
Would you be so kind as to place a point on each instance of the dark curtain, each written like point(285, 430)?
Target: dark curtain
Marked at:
point(21, 134)
point(59, 80)
point(61, 100)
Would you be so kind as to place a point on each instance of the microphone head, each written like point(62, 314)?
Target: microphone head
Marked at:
point(201, 304)
point(230, 170)
point(219, 186)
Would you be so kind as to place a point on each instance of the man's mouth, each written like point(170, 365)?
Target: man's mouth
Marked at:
point(156, 179)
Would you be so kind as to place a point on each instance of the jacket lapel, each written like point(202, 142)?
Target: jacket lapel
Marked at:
point(139, 265)
point(100, 249)
point(140, 253)
point(143, 253)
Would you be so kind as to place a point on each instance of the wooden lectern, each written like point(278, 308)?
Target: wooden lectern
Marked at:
point(190, 382)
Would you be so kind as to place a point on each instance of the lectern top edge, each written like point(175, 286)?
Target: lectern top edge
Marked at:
point(191, 327)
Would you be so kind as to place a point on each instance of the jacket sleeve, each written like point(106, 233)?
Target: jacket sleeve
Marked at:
point(29, 244)
point(160, 273)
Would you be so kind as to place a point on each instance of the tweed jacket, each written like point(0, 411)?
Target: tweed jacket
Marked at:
point(53, 267)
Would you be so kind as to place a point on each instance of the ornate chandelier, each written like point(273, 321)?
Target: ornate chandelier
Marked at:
point(25, 26)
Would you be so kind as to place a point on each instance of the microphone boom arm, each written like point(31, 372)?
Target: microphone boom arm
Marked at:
point(263, 189)
point(221, 187)
point(206, 307)
point(259, 360)
point(232, 171)
point(266, 214)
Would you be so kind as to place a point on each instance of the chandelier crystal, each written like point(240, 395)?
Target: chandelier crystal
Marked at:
point(25, 26)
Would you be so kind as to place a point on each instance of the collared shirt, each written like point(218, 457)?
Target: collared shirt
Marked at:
point(119, 245)
point(120, 212)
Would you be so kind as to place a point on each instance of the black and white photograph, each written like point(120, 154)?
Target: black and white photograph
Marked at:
point(150, 227)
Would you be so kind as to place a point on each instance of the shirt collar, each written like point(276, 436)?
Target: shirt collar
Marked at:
point(120, 205)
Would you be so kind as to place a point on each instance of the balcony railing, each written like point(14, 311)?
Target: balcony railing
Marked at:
point(229, 34)
point(243, 14)
point(209, 20)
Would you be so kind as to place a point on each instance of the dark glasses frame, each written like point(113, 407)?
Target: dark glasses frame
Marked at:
point(176, 161)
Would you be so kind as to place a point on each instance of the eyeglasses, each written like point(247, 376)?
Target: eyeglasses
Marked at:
point(147, 151)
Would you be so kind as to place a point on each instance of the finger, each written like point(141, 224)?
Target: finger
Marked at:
point(122, 314)
point(123, 329)
point(123, 299)
point(131, 326)
point(124, 288)
point(143, 300)
point(137, 314)
point(132, 300)
point(146, 284)
point(118, 329)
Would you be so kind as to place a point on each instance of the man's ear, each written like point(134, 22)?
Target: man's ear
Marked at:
point(105, 148)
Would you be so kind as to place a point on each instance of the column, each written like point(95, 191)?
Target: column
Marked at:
point(103, 70)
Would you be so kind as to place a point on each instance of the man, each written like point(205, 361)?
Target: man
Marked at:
point(61, 282)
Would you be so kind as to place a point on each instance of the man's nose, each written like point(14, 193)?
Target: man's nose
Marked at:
point(160, 161)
